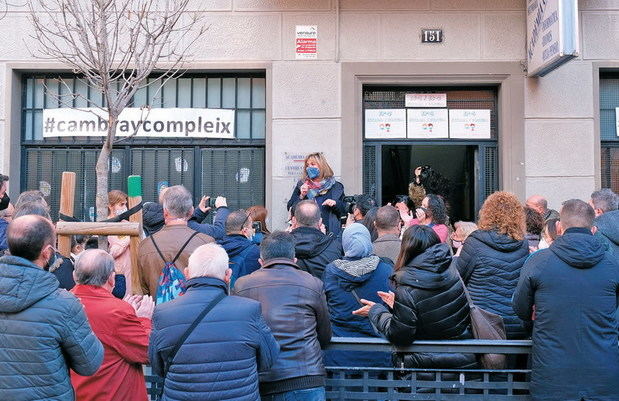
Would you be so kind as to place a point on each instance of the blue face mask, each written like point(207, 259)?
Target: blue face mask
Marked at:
point(312, 172)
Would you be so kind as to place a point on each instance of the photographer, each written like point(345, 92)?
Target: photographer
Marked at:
point(4, 197)
point(217, 229)
point(318, 183)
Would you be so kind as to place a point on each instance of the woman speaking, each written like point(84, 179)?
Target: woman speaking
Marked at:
point(317, 183)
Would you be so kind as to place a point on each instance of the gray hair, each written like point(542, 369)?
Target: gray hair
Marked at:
point(34, 196)
point(177, 201)
point(93, 267)
point(307, 213)
point(605, 199)
point(209, 260)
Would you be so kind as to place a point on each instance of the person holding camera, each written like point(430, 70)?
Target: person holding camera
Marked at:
point(318, 183)
point(433, 214)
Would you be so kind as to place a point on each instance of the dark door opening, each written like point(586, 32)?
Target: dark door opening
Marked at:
point(454, 162)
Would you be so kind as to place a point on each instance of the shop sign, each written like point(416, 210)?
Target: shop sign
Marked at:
point(425, 100)
point(385, 123)
point(431, 36)
point(156, 122)
point(427, 123)
point(293, 164)
point(469, 124)
point(552, 34)
point(306, 42)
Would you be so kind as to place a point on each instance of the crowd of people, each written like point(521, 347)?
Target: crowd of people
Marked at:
point(231, 311)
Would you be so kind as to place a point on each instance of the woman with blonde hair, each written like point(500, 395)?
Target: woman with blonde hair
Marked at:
point(119, 245)
point(492, 256)
point(318, 183)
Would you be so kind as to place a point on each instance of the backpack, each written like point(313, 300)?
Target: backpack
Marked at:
point(172, 282)
point(237, 264)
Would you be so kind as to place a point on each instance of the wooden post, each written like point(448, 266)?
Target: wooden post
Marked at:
point(96, 228)
point(134, 191)
point(67, 203)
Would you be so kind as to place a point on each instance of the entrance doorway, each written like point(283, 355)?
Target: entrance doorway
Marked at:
point(454, 162)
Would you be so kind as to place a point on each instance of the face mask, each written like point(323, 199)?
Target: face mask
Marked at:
point(542, 244)
point(456, 244)
point(120, 211)
point(312, 172)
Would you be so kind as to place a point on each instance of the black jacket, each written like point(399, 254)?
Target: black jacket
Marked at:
point(575, 288)
point(330, 215)
point(152, 218)
point(490, 265)
point(429, 304)
point(294, 306)
point(315, 250)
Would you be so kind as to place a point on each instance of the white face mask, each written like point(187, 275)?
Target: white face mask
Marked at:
point(542, 244)
point(120, 211)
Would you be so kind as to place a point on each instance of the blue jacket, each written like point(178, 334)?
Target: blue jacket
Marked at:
point(239, 247)
point(3, 226)
point(330, 215)
point(44, 332)
point(608, 230)
point(574, 286)
point(365, 276)
point(221, 358)
point(490, 266)
point(216, 230)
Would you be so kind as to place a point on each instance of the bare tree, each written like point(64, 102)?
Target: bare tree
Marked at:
point(114, 46)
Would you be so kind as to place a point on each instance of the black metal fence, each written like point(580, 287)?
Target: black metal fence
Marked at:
point(380, 384)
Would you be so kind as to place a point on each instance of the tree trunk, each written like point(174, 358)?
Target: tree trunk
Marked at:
point(102, 170)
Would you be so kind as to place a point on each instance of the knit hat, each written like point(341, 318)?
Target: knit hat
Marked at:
point(356, 241)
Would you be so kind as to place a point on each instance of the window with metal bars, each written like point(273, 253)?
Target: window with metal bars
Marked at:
point(233, 168)
point(609, 102)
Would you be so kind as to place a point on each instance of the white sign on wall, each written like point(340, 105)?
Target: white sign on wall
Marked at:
point(425, 100)
point(617, 120)
point(427, 123)
point(552, 34)
point(156, 122)
point(385, 123)
point(306, 41)
point(469, 124)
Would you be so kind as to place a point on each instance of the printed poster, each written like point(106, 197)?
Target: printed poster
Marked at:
point(385, 123)
point(306, 41)
point(428, 123)
point(469, 124)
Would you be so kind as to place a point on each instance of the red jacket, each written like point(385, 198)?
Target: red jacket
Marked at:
point(125, 341)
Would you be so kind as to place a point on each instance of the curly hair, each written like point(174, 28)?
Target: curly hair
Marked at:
point(534, 220)
point(502, 212)
point(434, 182)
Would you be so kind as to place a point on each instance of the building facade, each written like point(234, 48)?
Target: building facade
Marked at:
point(555, 135)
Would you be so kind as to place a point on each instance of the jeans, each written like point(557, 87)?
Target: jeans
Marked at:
point(309, 394)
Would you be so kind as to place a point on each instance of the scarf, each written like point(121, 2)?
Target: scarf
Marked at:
point(320, 188)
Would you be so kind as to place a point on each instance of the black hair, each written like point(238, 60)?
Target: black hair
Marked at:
point(403, 199)
point(434, 182)
point(277, 245)
point(364, 203)
point(534, 221)
point(437, 208)
point(3, 179)
point(92, 243)
point(368, 222)
point(28, 240)
point(415, 240)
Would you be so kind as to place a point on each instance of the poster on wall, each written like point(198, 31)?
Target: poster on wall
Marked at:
point(617, 120)
point(306, 42)
point(385, 123)
point(469, 124)
point(428, 123)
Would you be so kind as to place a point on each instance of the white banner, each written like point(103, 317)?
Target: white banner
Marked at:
point(428, 123)
point(469, 124)
point(385, 123)
point(156, 122)
point(425, 100)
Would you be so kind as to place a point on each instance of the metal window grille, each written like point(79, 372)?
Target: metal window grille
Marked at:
point(160, 161)
point(609, 101)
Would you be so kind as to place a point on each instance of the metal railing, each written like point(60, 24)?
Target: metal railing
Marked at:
point(390, 384)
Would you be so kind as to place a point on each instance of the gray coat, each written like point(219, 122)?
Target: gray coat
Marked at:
point(44, 332)
point(387, 246)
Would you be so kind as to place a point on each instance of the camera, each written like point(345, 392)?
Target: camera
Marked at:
point(257, 226)
point(350, 202)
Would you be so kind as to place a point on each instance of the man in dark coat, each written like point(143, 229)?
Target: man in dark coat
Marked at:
point(44, 331)
point(294, 305)
point(314, 249)
point(243, 253)
point(573, 287)
point(221, 358)
point(605, 204)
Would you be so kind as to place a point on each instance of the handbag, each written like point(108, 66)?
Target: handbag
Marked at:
point(486, 326)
